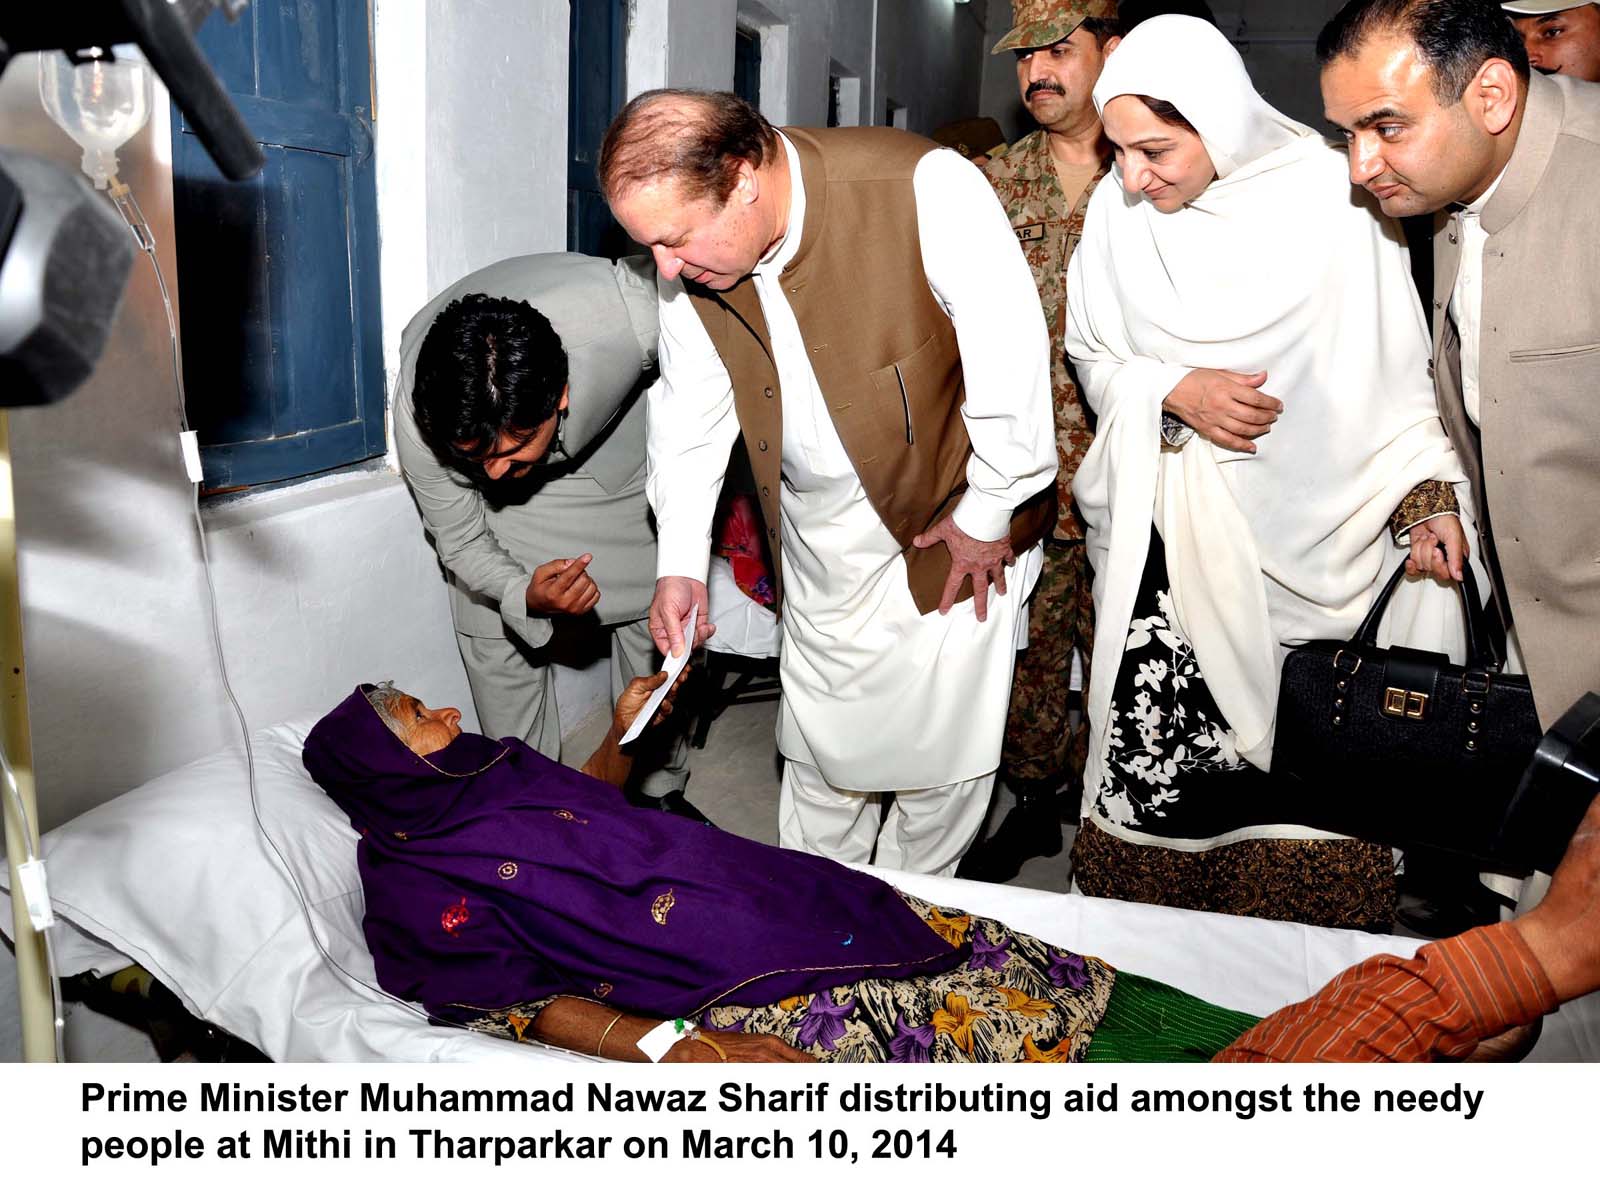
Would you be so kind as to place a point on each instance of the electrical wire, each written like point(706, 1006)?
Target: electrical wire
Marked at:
point(128, 206)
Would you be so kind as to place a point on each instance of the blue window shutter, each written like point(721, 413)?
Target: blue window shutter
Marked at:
point(594, 96)
point(278, 276)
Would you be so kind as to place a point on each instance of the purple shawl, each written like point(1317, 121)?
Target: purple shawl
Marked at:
point(494, 876)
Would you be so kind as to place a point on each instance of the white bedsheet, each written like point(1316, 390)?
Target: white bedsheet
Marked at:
point(175, 876)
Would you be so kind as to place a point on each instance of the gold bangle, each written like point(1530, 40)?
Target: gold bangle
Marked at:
point(700, 1036)
point(606, 1032)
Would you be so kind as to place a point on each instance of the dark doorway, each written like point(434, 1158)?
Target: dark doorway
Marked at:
point(747, 66)
point(595, 75)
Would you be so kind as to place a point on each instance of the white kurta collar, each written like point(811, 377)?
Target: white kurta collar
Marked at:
point(778, 258)
point(1476, 208)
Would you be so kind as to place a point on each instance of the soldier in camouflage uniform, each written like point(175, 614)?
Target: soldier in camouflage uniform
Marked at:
point(1060, 47)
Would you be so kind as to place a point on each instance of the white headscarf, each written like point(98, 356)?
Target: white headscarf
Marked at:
point(1167, 57)
point(1278, 266)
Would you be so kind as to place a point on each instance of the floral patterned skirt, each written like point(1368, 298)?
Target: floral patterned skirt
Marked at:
point(1016, 1000)
point(1172, 773)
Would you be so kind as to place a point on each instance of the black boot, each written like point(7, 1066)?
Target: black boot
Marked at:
point(1031, 829)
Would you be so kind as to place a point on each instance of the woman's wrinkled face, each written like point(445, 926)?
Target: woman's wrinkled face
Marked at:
point(426, 730)
point(1166, 164)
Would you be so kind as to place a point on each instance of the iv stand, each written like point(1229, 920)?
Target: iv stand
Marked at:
point(33, 971)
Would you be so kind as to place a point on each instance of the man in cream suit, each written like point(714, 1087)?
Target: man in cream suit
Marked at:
point(835, 297)
point(1442, 114)
point(519, 421)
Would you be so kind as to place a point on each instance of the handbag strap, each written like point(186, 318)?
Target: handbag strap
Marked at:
point(1481, 653)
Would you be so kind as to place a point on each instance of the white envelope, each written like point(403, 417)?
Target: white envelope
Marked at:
point(671, 667)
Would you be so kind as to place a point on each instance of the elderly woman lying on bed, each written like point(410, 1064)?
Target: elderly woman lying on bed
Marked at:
point(519, 897)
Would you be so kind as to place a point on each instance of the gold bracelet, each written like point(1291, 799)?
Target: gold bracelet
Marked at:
point(606, 1032)
point(700, 1036)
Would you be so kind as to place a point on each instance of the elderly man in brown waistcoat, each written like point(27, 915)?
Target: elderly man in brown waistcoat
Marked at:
point(853, 301)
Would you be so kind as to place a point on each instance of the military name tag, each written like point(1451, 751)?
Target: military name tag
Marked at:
point(1032, 233)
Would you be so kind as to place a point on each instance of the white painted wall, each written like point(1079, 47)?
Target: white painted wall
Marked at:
point(647, 45)
point(929, 59)
point(703, 58)
point(496, 132)
point(1278, 41)
point(855, 23)
point(400, 48)
point(927, 51)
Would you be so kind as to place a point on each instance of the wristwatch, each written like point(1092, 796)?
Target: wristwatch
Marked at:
point(1174, 431)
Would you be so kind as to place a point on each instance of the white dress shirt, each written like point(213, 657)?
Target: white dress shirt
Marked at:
point(1466, 299)
point(875, 694)
point(1466, 314)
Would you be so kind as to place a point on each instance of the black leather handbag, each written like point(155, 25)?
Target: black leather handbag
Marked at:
point(1405, 748)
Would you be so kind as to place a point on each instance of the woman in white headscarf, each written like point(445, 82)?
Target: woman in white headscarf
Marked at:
point(1245, 326)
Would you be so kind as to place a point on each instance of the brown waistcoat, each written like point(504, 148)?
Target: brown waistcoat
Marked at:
point(883, 350)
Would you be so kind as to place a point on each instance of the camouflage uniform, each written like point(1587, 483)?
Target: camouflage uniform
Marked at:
point(1039, 750)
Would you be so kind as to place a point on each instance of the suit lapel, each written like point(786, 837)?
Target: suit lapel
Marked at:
point(1446, 266)
point(1530, 158)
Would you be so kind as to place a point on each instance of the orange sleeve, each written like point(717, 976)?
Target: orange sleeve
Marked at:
point(1439, 1004)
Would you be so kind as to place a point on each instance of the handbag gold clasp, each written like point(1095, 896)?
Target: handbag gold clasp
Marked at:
point(1402, 702)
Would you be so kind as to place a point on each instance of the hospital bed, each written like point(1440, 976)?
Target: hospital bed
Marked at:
point(175, 876)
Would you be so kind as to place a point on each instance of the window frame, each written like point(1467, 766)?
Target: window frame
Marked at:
point(351, 431)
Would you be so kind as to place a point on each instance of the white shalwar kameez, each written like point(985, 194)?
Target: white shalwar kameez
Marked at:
point(876, 696)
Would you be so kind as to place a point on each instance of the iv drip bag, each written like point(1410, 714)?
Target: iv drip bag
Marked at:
point(101, 103)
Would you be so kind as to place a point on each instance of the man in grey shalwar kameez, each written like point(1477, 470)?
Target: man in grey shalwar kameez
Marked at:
point(502, 533)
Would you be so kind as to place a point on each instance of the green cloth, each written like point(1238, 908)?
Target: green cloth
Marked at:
point(1148, 1022)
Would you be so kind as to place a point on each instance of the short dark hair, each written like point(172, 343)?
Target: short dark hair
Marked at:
point(1167, 113)
point(1104, 28)
point(489, 365)
point(697, 138)
point(1135, 12)
point(1454, 38)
